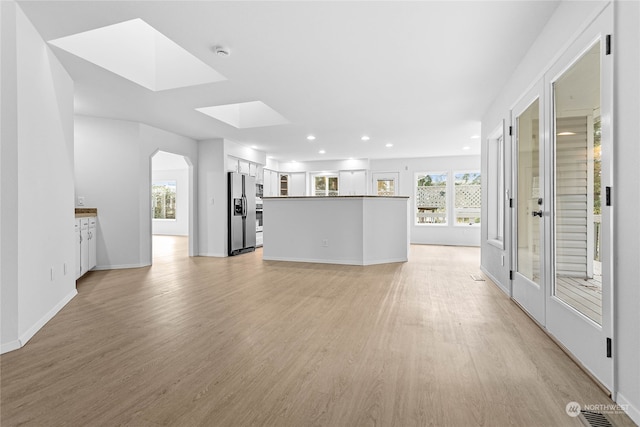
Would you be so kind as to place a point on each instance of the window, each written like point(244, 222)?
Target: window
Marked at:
point(163, 199)
point(386, 187)
point(431, 198)
point(468, 195)
point(325, 186)
point(495, 187)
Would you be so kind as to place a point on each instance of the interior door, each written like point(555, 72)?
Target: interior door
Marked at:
point(528, 288)
point(579, 304)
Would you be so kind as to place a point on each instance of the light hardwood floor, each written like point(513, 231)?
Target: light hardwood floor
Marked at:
point(240, 341)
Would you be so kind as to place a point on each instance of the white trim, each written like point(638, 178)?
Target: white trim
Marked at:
point(215, 255)
point(496, 281)
point(496, 243)
point(337, 261)
point(118, 266)
point(631, 411)
point(10, 346)
point(29, 333)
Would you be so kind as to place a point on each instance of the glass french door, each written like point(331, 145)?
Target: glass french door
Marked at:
point(528, 287)
point(579, 303)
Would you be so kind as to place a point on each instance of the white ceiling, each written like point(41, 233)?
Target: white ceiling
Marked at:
point(416, 74)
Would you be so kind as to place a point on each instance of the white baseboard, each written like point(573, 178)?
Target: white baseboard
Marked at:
point(10, 346)
point(215, 255)
point(496, 281)
point(118, 266)
point(29, 333)
point(632, 411)
point(336, 261)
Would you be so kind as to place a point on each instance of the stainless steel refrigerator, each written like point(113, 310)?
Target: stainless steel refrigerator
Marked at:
point(242, 213)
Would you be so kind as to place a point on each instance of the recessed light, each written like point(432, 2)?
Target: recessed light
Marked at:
point(466, 148)
point(311, 137)
point(321, 152)
point(294, 161)
point(365, 138)
point(255, 147)
point(475, 137)
point(566, 133)
point(389, 145)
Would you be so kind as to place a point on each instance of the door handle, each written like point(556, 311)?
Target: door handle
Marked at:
point(244, 206)
point(537, 213)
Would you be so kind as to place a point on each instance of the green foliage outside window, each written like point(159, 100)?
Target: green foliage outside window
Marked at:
point(163, 199)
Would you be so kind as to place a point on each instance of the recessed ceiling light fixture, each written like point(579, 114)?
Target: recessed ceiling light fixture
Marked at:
point(255, 147)
point(321, 152)
point(389, 145)
point(475, 137)
point(466, 148)
point(365, 138)
point(566, 133)
point(311, 137)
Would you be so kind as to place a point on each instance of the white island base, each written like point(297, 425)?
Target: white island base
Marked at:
point(355, 230)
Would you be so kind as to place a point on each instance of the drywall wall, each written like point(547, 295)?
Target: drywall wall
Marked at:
point(38, 253)
point(212, 198)
point(450, 234)
point(107, 175)
point(113, 174)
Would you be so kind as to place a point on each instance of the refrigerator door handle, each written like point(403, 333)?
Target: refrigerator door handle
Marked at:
point(244, 206)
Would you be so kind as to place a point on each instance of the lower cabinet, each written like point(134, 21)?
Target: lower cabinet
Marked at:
point(86, 245)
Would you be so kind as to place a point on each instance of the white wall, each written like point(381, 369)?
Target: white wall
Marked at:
point(570, 19)
point(37, 219)
point(212, 198)
point(450, 234)
point(179, 226)
point(113, 174)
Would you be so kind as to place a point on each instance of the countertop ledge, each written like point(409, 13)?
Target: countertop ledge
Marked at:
point(365, 196)
point(86, 212)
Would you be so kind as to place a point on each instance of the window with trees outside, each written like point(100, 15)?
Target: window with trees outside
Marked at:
point(431, 198)
point(163, 199)
point(468, 196)
point(325, 186)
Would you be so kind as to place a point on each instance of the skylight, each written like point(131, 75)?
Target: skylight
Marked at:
point(139, 53)
point(245, 114)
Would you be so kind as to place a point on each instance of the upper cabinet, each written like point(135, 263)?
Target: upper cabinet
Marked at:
point(352, 183)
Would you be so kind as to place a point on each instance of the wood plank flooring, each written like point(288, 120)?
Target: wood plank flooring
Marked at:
point(239, 342)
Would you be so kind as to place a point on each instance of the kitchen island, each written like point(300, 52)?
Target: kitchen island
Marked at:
point(356, 230)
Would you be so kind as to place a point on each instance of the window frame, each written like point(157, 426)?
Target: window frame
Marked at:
point(496, 186)
point(446, 212)
point(454, 197)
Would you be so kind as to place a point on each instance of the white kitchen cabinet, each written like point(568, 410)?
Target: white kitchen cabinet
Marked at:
point(352, 183)
point(271, 184)
point(92, 243)
point(86, 237)
point(84, 245)
point(244, 167)
point(78, 269)
point(297, 184)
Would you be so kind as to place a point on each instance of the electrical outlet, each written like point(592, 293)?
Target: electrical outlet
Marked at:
point(52, 274)
point(64, 268)
point(80, 200)
point(325, 243)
